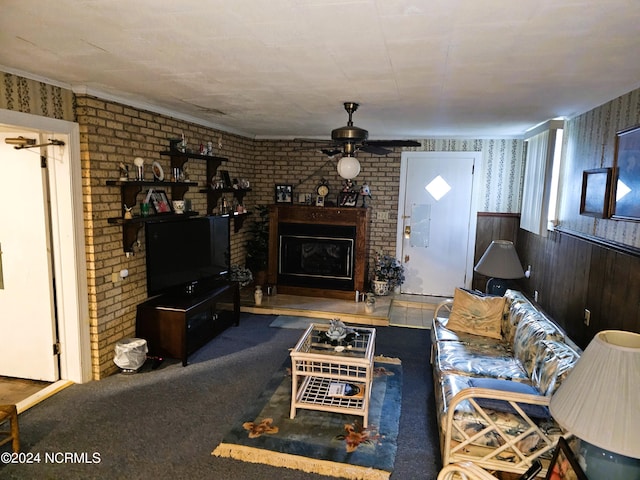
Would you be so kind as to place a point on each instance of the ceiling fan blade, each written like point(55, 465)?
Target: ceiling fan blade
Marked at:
point(393, 143)
point(374, 149)
point(330, 153)
point(314, 140)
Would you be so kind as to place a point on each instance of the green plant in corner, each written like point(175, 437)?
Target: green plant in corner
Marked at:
point(257, 246)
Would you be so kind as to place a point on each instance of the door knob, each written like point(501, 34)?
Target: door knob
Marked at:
point(407, 231)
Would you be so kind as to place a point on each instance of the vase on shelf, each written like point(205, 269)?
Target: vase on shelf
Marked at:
point(381, 287)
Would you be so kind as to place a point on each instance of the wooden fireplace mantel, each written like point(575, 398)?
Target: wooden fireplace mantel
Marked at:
point(350, 216)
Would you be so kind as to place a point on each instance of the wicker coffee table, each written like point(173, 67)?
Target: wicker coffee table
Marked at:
point(317, 366)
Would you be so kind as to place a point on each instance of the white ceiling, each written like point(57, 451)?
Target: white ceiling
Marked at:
point(282, 68)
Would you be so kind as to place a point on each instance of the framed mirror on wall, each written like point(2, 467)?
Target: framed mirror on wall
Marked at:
point(625, 201)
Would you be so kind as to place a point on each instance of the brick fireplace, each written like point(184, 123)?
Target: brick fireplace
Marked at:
point(318, 251)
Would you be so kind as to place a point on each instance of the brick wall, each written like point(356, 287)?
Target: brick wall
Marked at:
point(112, 133)
point(295, 163)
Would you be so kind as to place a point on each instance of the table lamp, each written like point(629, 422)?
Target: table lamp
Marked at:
point(599, 402)
point(500, 262)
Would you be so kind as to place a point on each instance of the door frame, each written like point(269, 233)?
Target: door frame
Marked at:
point(473, 214)
point(68, 242)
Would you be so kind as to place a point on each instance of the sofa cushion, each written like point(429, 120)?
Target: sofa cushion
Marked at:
point(440, 333)
point(530, 333)
point(476, 314)
point(493, 360)
point(553, 363)
point(534, 411)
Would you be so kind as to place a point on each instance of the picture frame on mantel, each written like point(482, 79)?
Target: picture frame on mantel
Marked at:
point(596, 193)
point(625, 190)
point(284, 193)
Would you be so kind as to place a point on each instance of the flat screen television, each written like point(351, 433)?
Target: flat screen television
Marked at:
point(183, 253)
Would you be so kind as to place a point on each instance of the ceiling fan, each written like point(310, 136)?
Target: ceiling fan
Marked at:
point(351, 139)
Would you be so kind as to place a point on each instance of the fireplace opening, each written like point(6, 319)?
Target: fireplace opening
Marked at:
point(316, 256)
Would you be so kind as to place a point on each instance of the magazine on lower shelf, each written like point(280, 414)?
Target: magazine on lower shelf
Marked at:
point(346, 390)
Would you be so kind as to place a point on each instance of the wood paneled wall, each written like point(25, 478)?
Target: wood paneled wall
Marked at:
point(573, 273)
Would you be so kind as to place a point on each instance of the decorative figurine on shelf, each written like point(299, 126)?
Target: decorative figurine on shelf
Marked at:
point(127, 212)
point(365, 193)
point(124, 172)
point(138, 162)
point(209, 149)
point(348, 186)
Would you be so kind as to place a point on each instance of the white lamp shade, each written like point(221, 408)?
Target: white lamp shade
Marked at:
point(348, 167)
point(599, 402)
point(500, 260)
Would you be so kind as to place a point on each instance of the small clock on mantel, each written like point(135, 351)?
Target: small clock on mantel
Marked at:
point(322, 189)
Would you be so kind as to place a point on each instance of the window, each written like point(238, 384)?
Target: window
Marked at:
point(539, 195)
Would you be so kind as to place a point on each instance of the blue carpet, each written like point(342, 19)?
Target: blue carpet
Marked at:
point(317, 441)
point(298, 323)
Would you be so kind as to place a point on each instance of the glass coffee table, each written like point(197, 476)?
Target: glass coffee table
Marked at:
point(333, 376)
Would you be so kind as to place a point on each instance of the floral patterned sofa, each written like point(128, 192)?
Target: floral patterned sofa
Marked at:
point(496, 362)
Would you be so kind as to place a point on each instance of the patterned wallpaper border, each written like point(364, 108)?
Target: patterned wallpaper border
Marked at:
point(502, 169)
point(590, 143)
point(30, 96)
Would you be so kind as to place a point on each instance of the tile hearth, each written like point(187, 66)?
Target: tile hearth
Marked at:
point(412, 311)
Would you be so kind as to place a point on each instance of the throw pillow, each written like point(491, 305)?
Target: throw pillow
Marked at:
point(477, 315)
point(534, 411)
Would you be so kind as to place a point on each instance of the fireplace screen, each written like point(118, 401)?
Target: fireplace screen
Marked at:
point(315, 260)
point(316, 256)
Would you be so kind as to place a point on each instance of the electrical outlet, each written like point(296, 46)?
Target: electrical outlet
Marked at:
point(587, 317)
point(383, 215)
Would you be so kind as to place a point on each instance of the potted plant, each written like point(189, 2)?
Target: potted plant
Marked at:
point(388, 273)
point(257, 247)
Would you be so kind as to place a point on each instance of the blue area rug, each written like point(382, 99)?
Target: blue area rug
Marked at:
point(320, 442)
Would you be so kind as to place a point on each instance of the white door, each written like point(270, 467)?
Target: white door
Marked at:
point(27, 311)
point(436, 221)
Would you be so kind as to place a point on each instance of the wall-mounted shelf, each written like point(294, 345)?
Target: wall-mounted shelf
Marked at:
point(129, 191)
point(131, 227)
point(214, 195)
point(178, 159)
point(238, 220)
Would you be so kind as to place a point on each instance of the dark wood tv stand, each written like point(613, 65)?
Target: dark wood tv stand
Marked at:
point(176, 325)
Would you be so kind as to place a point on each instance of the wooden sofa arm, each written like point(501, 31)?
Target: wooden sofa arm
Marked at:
point(494, 458)
point(464, 471)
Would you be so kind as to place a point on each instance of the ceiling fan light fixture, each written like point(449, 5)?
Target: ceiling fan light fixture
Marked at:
point(348, 167)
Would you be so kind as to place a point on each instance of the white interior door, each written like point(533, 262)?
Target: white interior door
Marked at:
point(27, 318)
point(436, 221)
